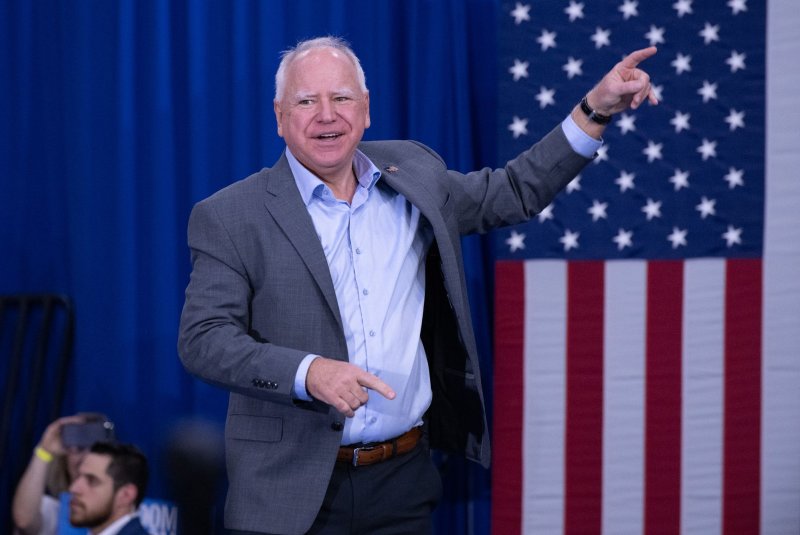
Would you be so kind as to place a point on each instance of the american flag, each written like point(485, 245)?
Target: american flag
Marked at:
point(636, 389)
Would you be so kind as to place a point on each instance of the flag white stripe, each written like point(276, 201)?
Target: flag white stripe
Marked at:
point(545, 394)
point(702, 407)
point(780, 450)
point(623, 398)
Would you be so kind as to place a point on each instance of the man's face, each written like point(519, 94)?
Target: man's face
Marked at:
point(92, 502)
point(323, 112)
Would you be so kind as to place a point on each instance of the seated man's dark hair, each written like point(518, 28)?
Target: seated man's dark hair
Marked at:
point(128, 465)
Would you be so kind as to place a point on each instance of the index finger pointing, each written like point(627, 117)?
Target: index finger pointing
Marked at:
point(637, 56)
point(372, 382)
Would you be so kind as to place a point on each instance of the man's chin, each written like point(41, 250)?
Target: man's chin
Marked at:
point(79, 519)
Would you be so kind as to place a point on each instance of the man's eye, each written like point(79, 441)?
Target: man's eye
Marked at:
point(305, 102)
point(341, 99)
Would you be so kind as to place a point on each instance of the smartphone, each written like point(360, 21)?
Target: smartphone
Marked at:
point(86, 434)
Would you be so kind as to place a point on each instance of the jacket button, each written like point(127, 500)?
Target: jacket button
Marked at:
point(337, 426)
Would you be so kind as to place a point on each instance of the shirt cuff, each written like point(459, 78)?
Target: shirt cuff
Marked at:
point(581, 142)
point(300, 378)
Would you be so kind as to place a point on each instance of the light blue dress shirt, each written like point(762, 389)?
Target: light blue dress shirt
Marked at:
point(376, 248)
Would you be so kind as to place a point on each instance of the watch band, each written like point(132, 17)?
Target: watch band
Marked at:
point(593, 115)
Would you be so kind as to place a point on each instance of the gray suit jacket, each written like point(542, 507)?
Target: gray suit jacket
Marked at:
point(260, 298)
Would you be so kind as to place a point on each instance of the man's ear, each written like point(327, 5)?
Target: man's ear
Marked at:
point(126, 495)
point(278, 115)
point(366, 103)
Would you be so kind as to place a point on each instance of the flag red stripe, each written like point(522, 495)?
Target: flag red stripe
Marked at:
point(584, 407)
point(742, 449)
point(663, 397)
point(508, 398)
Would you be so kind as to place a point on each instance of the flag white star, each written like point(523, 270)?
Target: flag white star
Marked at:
point(657, 92)
point(573, 67)
point(628, 9)
point(545, 214)
point(680, 179)
point(521, 12)
point(652, 209)
point(736, 60)
point(574, 184)
point(735, 177)
point(626, 123)
point(733, 236)
point(570, 239)
point(706, 207)
point(516, 241)
point(625, 181)
point(519, 69)
point(678, 237)
point(624, 238)
point(601, 37)
point(708, 91)
point(710, 33)
point(680, 121)
point(682, 63)
point(602, 153)
point(708, 149)
point(653, 151)
point(683, 7)
point(735, 119)
point(574, 10)
point(598, 210)
point(547, 40)
point(545, 97)
point(655, 35)
point(519, 127)
point(737, 6)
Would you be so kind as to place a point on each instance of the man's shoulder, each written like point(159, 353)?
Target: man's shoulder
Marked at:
point(133, 527)
point(244, 188)
point(253, 186)
point(397, 150)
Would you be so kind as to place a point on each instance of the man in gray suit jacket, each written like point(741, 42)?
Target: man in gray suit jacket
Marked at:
point(327, 295)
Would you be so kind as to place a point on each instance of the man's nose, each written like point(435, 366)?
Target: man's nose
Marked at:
point(327, 111)
point(75, 487)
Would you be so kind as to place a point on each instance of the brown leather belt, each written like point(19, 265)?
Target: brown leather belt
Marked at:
point(379, 451)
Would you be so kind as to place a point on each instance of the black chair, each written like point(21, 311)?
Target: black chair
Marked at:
point(36, 347)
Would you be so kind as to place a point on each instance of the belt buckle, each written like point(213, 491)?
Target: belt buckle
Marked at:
point(356, 451)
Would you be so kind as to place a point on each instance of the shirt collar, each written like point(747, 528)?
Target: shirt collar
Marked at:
point(367, 174)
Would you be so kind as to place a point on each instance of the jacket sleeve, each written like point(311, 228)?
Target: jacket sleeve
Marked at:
point(488, 199)
point(216, 340)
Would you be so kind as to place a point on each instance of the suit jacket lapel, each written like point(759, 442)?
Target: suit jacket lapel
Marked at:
point(283, 201)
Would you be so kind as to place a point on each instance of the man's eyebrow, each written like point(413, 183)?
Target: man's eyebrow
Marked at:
point(303, 95)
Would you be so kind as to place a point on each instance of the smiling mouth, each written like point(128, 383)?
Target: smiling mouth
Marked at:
point(328, 137)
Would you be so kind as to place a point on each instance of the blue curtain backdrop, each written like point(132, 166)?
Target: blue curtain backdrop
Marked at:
point(117, 116)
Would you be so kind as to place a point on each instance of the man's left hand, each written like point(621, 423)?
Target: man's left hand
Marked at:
point(624, 86)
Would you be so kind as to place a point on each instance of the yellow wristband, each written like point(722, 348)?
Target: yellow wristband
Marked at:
point(43, 454)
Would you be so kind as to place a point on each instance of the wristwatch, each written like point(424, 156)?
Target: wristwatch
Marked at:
point(593, 115)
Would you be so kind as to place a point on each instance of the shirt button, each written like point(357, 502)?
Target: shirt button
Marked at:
point(372, 333)
point(373, 420)
point(358, 250)
point(365, 291)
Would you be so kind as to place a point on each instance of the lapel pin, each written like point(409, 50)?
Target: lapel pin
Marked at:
point(391, 169)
